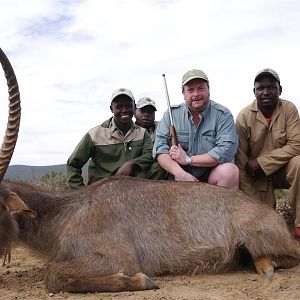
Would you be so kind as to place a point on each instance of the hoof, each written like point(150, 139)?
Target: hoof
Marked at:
point(144, 282)
point(270, 274)
point(150, 284)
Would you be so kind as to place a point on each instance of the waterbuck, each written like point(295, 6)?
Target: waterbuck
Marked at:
point(113, 234)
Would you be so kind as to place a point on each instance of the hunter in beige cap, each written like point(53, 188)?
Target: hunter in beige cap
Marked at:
point(193, 74)
point(207, 141)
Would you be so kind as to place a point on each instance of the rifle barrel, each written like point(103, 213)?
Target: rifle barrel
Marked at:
point(168, 99)
point(174, 141)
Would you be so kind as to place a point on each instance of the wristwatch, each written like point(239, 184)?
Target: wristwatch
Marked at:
point(188, 160)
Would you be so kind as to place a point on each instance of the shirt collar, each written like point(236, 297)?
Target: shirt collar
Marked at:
point(254, 105)
point(204, 113)
point(151, 128)
point(114, 126)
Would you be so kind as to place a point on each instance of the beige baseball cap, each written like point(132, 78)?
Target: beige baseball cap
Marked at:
point(193, 74)
point(267, 71)
point(145, 101)
point(122, 91)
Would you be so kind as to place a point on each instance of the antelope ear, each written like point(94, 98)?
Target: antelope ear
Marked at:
point(17, 206)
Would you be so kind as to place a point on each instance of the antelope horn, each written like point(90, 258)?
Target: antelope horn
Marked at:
point(14, 115)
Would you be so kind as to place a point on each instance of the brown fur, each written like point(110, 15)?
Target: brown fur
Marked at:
point(154, 227)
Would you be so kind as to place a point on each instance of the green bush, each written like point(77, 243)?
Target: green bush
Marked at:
point(53, 182)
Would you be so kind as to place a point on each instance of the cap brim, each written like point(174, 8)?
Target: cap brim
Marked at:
point(118, 96)
point(147, 105)
point(194, 77)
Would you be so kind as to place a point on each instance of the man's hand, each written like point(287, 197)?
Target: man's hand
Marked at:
point(253, 168)
point(126, 169)
point(185, 176)
point(178, 154)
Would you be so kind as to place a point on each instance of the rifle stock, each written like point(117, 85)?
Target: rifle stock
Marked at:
point(173, 135)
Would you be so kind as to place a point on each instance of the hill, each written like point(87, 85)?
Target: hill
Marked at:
point(32, 173)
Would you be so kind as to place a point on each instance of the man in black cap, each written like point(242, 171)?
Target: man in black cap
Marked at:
point(269, 144)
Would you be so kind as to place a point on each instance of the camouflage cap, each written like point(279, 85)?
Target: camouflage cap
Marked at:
point(144, 101)
point(122, 91)
point(267, 71)
point(193, 74)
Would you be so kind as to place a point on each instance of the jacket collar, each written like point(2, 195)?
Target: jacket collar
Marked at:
point(254, 107)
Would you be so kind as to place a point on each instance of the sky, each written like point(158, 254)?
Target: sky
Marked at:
point(70, 55)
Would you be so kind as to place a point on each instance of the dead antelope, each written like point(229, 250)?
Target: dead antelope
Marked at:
point(106, 236)
point(112, 235)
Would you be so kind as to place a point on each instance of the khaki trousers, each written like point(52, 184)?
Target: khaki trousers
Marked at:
point(263, 187)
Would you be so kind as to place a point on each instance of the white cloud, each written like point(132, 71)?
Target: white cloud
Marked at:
point(69, 56)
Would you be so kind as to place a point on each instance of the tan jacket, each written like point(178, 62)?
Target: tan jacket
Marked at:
point(273, 145)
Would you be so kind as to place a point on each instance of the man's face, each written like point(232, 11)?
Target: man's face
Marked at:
point(196, 94)
point(267, 91)
point(145, 116)
point(123, 109)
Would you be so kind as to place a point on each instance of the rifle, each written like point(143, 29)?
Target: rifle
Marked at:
point(174, 141)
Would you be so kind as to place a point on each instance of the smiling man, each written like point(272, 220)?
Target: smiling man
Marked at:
point(269, 144)
point(206, 134)
point(116, 147)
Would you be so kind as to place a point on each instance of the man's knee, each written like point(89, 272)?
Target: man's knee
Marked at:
point(293, 170)
point(228, 170)
point(294, 163)
point(226, 175)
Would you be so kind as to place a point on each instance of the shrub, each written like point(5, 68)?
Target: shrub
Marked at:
point(53, 182)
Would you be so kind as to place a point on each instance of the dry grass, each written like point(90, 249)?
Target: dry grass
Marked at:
point(283, 206)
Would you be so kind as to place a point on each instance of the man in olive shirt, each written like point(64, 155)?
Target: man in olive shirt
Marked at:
point(116, 147)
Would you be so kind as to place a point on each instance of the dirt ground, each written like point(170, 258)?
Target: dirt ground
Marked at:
point(23, 279)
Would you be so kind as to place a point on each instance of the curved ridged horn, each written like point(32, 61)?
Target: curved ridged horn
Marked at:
point(14, 115)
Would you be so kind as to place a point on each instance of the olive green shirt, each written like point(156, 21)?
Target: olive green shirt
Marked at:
point(152, 130)
point(108, 149)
